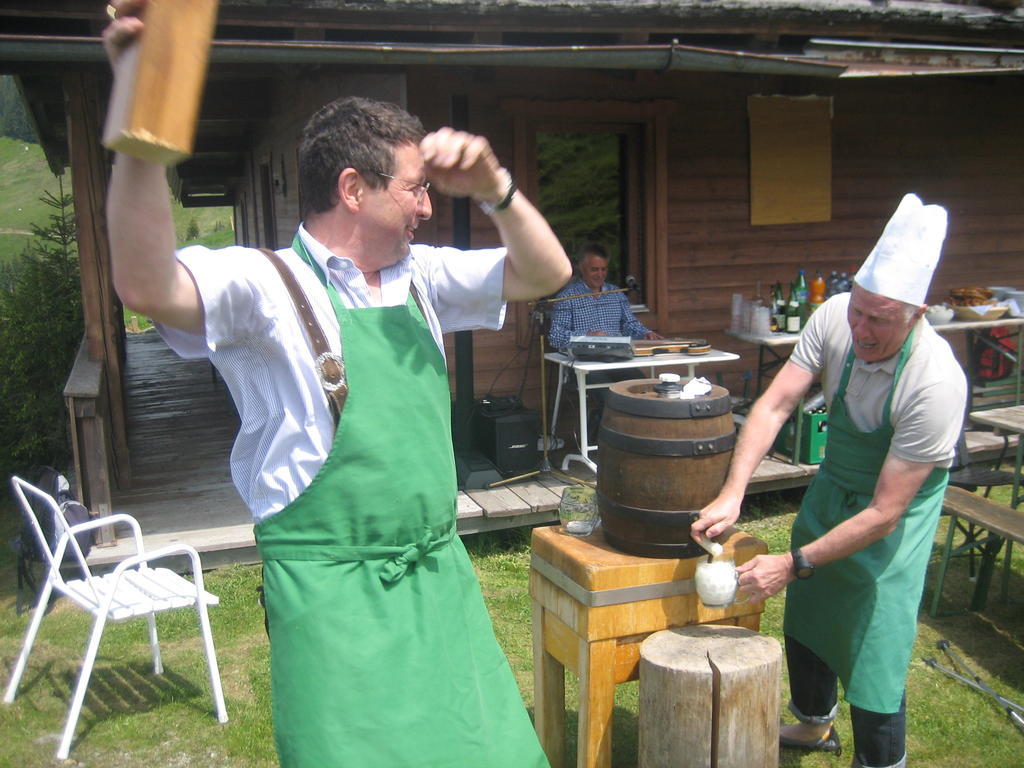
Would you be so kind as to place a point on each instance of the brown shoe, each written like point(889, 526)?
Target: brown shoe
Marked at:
point(828, 744)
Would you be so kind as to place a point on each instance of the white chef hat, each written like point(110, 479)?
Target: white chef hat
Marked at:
point(902, 262)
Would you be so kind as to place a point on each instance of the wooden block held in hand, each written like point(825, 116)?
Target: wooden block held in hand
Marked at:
point(158, 83)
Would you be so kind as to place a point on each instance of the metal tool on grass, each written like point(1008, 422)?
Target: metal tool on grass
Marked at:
point(931, 662)
point(1011, 708)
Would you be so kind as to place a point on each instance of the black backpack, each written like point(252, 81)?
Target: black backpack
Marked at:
point(32, 562)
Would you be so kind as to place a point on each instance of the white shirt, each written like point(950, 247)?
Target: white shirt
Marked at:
point(928, 402)
point(253, 336)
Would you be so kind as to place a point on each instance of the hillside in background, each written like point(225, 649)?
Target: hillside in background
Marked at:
point(14, 120)
point(26, 176)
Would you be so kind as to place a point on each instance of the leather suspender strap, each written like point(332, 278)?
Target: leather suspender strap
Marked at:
point(416, 298)
point(330, 367)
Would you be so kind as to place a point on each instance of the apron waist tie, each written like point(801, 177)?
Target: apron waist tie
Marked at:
point(396, 567)
point(400, 559)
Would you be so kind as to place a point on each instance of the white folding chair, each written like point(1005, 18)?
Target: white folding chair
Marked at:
point(131, 590)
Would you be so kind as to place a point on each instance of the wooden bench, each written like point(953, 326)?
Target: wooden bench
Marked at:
point(1002, 523)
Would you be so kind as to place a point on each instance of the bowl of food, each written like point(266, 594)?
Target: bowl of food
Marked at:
point(938, 314)
point(981, 312)
point(970, 296)
point(975, 303)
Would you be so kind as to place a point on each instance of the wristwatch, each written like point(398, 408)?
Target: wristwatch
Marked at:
point(802, 566)
point(505, 202)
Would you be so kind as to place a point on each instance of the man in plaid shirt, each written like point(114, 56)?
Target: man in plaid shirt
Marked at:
point(607, 314)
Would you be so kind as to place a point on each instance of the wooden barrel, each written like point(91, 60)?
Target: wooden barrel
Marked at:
point(661, 460)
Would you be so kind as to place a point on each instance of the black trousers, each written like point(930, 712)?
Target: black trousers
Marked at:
point(879, 738)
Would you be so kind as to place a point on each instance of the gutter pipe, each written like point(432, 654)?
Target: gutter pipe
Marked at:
point(659, 58)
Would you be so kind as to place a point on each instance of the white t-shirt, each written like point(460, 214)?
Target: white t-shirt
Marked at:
point(253, 336)
point(929, 400)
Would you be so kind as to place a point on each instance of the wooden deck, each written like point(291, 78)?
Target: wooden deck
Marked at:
point(181, 428)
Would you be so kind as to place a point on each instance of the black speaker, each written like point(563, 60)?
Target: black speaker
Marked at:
point(508, 438)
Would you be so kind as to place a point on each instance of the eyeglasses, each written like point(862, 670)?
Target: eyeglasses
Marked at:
point(417, 188)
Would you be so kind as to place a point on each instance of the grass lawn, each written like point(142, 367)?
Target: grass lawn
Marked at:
point(132, 718)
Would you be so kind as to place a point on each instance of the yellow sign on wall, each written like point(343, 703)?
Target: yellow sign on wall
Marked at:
point(790, 159)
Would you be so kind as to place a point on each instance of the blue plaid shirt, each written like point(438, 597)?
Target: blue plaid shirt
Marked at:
point(608, 312)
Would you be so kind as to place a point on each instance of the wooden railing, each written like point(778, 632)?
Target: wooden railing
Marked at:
point(85, 394)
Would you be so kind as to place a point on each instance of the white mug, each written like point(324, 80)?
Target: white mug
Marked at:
point(717, 582)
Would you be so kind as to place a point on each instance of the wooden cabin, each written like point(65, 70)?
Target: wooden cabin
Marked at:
point(735, 142)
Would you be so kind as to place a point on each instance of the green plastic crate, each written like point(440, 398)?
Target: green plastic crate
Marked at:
point(814, 435)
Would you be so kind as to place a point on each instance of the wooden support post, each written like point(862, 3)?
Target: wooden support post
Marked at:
point(83, 394)
point(597, 676)
point(549, 693)
point(104, 323)
point(709, 698)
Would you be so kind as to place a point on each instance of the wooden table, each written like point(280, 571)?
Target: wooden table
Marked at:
point(1000, 523)
point(773, 342)
point(584, 367)
point(1009, 420)
point(770, 343)
point(1006, 421)
point(592, 608)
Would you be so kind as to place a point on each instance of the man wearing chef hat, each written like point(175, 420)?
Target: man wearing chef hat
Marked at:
point(861, 542)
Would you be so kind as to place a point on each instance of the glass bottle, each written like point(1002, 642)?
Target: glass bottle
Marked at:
point(793, 311)
point(816, 296)
point(801, 287)
point(779, 307)
point(833, 285)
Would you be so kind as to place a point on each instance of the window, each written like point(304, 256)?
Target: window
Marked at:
point(597, 170)
point(588, 191)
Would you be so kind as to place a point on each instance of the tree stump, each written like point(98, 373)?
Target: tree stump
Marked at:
point(709, 698)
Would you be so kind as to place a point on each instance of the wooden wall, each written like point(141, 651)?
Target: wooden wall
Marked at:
point(954, 141)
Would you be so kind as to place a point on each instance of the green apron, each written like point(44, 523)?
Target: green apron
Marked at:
point(381, 649)
point(859, 614)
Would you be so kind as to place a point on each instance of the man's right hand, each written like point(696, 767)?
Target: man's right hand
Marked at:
point(124, 29)
point(147, 276)
point(715, 518)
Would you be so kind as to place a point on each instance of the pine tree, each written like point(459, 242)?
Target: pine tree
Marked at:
point(41, 328)
point(14, 120)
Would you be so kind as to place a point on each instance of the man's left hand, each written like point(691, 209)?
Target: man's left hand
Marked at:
point(765, 575)
point(460, 164)
point(653, 335)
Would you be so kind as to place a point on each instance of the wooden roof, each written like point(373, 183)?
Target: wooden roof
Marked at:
point(618, 33)
point(998, 22)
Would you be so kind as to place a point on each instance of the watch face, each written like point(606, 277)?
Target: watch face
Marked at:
point(804, 570)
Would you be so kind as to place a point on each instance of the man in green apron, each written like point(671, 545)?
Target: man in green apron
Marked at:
point(382, 652)
point(861, 542)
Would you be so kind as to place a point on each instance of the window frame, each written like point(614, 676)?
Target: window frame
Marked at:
point(645, 122)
